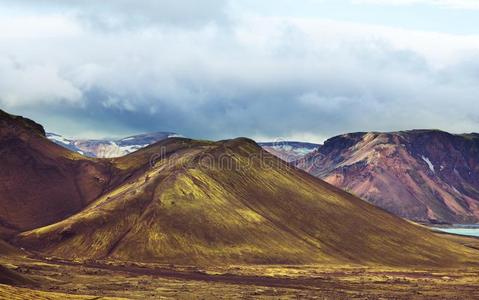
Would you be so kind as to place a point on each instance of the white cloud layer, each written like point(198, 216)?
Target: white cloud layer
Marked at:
point(455, 4)
point(22, 85)
point(210, 72)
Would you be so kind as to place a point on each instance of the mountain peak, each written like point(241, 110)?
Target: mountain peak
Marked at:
point(15, 123)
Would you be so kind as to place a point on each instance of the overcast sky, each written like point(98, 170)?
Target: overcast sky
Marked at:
point(266, 69)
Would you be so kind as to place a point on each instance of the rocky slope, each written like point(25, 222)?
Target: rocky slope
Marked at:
point(109, 148)
point(422, 175)
point(41, 182)
point(289, 151)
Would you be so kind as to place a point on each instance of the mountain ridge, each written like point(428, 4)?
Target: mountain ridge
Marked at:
point(289, 151)
point(110, 148)
point(423, 175)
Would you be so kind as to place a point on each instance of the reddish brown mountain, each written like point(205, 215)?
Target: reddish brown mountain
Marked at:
point(41, 182)
point(423, 175)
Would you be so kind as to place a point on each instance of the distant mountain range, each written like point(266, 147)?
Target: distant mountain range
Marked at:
point(422, 175)
point(108, 148)
point(289, 151)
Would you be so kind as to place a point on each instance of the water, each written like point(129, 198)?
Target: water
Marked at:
point(468, 230)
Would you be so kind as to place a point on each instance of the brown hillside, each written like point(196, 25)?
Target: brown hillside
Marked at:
point(40, 182)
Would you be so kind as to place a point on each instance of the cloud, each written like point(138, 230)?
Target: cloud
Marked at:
point(116, 14)
point(259, 76)
point(454, 4)
point(25, 85)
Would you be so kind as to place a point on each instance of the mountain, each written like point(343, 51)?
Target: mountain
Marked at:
point(229, 202)
point(41, 182)
point(289, 151)
point(186, 202)
point(109, 148)
point(423, 175)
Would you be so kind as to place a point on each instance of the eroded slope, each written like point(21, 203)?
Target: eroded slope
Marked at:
point(40, 182)
point(423, 175)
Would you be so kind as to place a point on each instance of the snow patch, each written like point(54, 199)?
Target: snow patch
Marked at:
point(132, 148)
point(59, 139)
point(128, 139)
point(304, 151)
point(455, 190)
point(429, 163)
point(289, 148)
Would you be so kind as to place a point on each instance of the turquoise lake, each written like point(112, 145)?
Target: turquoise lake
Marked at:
point(469, 231)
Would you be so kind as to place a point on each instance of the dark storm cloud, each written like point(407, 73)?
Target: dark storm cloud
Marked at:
point(177, 68)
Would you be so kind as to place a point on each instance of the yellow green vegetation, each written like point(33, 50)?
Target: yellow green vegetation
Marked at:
point(229, 202)
point(60, 280)
point(17, 293)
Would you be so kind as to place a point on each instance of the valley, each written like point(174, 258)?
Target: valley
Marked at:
point(60, 279)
